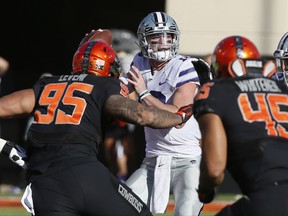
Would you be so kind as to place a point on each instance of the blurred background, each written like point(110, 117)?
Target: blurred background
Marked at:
point(39, 37)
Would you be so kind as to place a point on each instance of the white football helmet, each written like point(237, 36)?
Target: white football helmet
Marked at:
point(158, 25)
point(281, 57)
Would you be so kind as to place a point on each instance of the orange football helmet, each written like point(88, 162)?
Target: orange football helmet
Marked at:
point(96, 57)
point(229, 49)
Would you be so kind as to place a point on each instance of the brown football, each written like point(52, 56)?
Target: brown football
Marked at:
point(104, 35)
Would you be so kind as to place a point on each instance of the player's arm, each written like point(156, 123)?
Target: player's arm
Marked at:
point(19, 103)
point(213, 162)
point(182, 96)
point(133, 112)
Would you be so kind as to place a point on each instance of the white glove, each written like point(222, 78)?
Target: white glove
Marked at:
point(15, 152)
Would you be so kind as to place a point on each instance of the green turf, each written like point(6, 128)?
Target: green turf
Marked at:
point(13, 212)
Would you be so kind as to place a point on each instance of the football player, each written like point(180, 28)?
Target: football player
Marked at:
point(64, 175)
point(242, 116)
point(165, 79)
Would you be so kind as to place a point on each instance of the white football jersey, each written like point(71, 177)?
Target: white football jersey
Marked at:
point(162, 84)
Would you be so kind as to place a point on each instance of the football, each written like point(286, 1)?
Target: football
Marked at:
point(104, 35)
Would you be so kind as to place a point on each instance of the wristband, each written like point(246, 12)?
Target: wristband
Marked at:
point(143, 93)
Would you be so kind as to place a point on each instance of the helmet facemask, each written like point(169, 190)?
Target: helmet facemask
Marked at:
point(282, 69)
point(161, 46)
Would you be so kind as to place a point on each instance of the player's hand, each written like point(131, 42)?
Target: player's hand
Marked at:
point(136, 79)
point(15, 153)
point(206, 196)
point(203, 70)
point(185, 112)
point(18, 156)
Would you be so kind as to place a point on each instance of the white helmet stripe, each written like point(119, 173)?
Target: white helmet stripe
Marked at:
point(160, 19)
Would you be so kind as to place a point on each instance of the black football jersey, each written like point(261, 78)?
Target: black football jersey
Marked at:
point(68, 116)
point(254, 112)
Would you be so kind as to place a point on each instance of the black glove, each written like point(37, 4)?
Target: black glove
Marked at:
point(15, 152)
point(185, 112)
point(206, 196)
point(203, 70)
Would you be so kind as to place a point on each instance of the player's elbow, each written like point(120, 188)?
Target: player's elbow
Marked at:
point(147, 119)
point(216, 176)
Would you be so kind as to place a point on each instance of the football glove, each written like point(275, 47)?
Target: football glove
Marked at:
point(206, 196)
point(15, 152)
point(203, 70)
point(185, 112)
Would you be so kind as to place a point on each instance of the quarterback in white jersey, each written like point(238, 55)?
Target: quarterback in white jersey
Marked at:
point(183, 142)
point(164, 79)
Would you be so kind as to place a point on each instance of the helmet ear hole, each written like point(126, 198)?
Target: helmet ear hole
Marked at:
point(237, 68)
point(269, 69)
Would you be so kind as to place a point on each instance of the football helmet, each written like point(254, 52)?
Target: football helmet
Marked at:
point(229, 49)
point(124, 40)
point(281, 57)
point(158, 25)
point(96, 57)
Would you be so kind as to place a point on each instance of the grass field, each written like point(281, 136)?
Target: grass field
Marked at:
point(16, 211)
